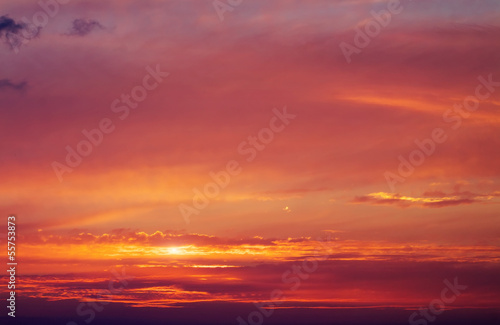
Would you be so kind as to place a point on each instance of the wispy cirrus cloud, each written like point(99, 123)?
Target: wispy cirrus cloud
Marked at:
point(430, 199)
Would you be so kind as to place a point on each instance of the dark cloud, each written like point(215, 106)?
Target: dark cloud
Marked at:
point(9, 25)
point(15, 33)
point(82, 27)
point(6, 83)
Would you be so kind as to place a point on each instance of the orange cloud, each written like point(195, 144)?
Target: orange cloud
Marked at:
point(429, 199)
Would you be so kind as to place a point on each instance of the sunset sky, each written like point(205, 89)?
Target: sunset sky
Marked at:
point(197, 153)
